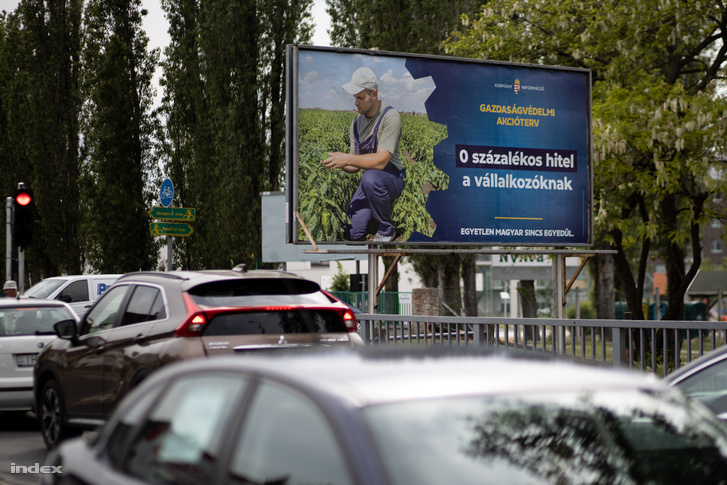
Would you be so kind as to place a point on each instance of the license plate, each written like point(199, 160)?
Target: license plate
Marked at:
point(26, 360)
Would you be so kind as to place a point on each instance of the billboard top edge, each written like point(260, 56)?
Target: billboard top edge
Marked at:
point(376, 52)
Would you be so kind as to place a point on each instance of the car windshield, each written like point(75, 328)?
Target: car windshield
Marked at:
point(594, 438)
point(44, 288)
point(31, 320)
point(258, 291)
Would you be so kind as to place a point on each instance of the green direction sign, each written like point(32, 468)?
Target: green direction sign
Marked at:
point(170, 229)
point(173, 213)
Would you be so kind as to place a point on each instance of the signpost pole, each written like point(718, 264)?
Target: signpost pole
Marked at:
point(170, 253)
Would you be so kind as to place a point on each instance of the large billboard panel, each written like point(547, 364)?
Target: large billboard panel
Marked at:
point(489, 153)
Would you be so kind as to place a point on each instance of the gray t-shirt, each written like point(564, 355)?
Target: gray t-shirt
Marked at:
point(389, 135)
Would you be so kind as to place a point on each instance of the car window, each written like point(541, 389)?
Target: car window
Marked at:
point(598, 437)
point(32, 321)
point(123, 431)
point(287, 439)
point(181, 439)
point(103, 315)
point(258, 291)
point(75, 292)
point(44, 288)
point(276, 322)
point(709, 386)
point(146, 304)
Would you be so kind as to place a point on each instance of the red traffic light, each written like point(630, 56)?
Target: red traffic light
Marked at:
point(23, 198)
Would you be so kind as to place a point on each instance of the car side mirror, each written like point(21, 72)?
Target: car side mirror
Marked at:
point(67, 330)
point(65, 297)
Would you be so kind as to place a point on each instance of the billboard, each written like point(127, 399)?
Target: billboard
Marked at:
point(490, 153)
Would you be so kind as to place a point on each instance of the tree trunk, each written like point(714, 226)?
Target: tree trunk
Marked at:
point(604, 286)
point(449, 290)
point(469, 277)
point(529, 305)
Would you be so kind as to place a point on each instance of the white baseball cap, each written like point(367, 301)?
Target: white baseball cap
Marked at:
point(10, 285)
point(363, 78)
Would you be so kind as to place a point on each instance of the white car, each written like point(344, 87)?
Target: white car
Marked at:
point(26, 327)
point(79, 291)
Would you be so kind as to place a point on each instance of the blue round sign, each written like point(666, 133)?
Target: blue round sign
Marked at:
point(166, 193)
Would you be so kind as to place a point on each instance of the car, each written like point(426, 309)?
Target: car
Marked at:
point(150, 319)
point(705, 379)
point(79, 291)
point(396, 416)
point(26, 327)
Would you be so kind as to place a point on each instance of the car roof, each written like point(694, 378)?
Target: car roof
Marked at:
point(696, 364)
point(31, 303)
point(187, 279)
point(370, 376)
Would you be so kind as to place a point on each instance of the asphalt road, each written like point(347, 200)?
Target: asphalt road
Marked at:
point(20, 444)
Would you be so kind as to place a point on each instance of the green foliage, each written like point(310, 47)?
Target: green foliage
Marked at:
point(402, 25)
point(224, 102)
point(118, 133)
point(341, 281)
point(587, 310)
point(658, 119)
point(325, 194)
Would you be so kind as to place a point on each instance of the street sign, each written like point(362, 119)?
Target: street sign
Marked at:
point(166, 193)
point(186, 214)
point(170, 229)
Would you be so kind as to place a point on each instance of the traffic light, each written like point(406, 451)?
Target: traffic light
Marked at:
point(23, 207)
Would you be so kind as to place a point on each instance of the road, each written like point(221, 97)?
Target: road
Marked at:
point(20, 444)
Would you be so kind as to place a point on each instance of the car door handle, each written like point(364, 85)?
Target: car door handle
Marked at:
point(139, 338)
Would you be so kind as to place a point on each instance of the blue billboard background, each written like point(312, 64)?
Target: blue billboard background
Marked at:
point(517, 153)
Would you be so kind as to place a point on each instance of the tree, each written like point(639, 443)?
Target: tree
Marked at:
point(418, 26)
point(224, 107)
point(340, 280)
point(399, 25)
point(119, 170)
point(41, 46)
point(658, 124)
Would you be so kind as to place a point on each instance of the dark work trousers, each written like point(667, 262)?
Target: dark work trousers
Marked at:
point(370, 207)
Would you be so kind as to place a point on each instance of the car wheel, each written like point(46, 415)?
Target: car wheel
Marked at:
point(52, 414)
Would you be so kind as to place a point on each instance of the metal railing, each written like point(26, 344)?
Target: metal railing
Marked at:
point(644, 345)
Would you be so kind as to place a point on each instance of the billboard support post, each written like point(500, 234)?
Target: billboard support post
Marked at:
point(373, 281)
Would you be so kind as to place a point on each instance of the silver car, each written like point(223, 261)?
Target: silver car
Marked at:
point(26, 328)
point(400, 417)
point(705, 379)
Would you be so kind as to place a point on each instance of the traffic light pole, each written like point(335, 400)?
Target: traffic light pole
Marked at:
point(8, 238)
point(21, 270)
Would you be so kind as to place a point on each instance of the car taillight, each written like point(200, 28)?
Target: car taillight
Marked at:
point(193, 325)
point(349, 319)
